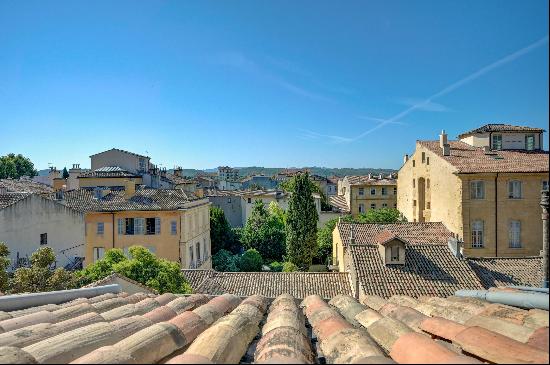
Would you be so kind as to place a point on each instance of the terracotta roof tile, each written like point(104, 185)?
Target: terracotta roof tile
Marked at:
point(339, 203)
point(25, 185)
point(467, 159)
point(225, 329)
point(495, 272)
point(11, 198)
point(371, 180)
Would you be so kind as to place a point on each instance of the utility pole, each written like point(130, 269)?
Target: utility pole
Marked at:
point(545, 231)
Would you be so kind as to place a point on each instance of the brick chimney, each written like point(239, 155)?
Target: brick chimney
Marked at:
point(129, 188)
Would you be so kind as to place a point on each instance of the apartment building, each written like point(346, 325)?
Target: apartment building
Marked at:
point(357, 194)
point(485, 187)
point(226, 173)
point(172, 224)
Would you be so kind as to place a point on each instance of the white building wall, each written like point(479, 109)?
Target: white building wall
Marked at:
point(22, 223)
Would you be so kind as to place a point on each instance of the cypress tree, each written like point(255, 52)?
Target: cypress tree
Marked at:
point(301, 224)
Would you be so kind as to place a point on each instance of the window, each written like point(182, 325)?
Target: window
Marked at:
point(129, 229)
point(427, 160)
point(249, 200)
point(514, 234)
point(496, 143)
point(414, 163)
point(373, 206)
point(120, 226)
point(228, 200)
point(545, 185)
point(373, 191)
point(361, 208)
point(428, 205)
point(152, 226)
point(427, 183)
point(198, 247)
point(414, 203)
point(477, 234)
point(384, 191)
point(191, 259)
point(141, 164)
point(394, 191)
point(395, 205)
point(174, 228)
point(99, 252)
point(394, 253)
point(529, 142)
point(139, 225)
point(514, 189)
point(361, 191)
point(384, 205)
point(423, 157)
point(43, 238)
point(205, 249)
point(100, 228)
point(477, 190)
point(414, 183)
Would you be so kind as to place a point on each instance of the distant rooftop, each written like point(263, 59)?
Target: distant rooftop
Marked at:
point(501, 127)
point(108, 172)
point(119, 150)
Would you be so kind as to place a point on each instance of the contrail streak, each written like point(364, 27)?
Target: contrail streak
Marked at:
point(509, 58)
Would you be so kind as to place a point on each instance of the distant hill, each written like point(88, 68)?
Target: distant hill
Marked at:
point(322, 171)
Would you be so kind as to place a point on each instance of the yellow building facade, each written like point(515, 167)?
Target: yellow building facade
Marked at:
point(362, 193)
point(489, 199)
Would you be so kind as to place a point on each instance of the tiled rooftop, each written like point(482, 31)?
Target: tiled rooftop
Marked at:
point(371, 180)
point(177, 180)
point(117, 328)
point(429, 269)
point(25, 185)
point(143, 199)
point(412, 232)
point(108, 172)
point(269, 284)
point(500, 127)
point(119, 150)
point(338, 202)
point(11, 198)
point(468, 159)
point(503, 271)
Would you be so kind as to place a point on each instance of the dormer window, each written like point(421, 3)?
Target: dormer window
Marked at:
point(529, 142)
point(394, 253)
point(496, 143)
point(391, 248)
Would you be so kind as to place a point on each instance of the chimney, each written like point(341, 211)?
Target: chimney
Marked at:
point(178, 171)
point(406, 158)
point(442, 139)
point(3, 190)
point(129, 189)
point(446, 149)
point(351, 235)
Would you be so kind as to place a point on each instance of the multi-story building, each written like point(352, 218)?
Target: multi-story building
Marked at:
point(226, 173)
point(485, 188)
point(357, 194)
point(171, 223)
point(262, 181)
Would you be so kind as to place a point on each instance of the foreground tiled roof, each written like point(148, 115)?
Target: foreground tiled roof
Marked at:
point(144, 199)
point(500, 127)
point(11, 198)
point(270, 284)
point(117, 328)
point(468, 159)
point(412, 232)
point(25, 185)
point(108, 172)
point(523, 271)
point(429, 269)
point(371, 180)
point(339, 203)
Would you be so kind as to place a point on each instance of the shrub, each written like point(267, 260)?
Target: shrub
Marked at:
point(251, 261)
point(276, 266)
point(225, 261)
point(289, 267)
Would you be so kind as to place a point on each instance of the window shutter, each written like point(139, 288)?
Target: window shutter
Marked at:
point(157, 225)
point(120, 226)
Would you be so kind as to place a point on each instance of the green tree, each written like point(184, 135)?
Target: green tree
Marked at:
point(4, 264)
point(382, 215)
point(265, 232)
point(324, 242)
point(222, 236)
point(65, 173)
point(276, 266)
point(251, 261)
point(225, 261)
point(39, 277)
point(289, 267)
point(14, 166)
point(142, 266)
point(289, 184)
point(301, 224)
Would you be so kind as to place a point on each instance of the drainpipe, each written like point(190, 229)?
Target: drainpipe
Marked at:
point(544, 205)
point(496, 215)
point(113, 215)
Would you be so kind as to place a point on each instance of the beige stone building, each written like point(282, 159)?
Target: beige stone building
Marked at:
point(172, 224)
point(357, 194)
point(486, 194)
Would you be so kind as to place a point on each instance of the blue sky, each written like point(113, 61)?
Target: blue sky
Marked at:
point(268, 83)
